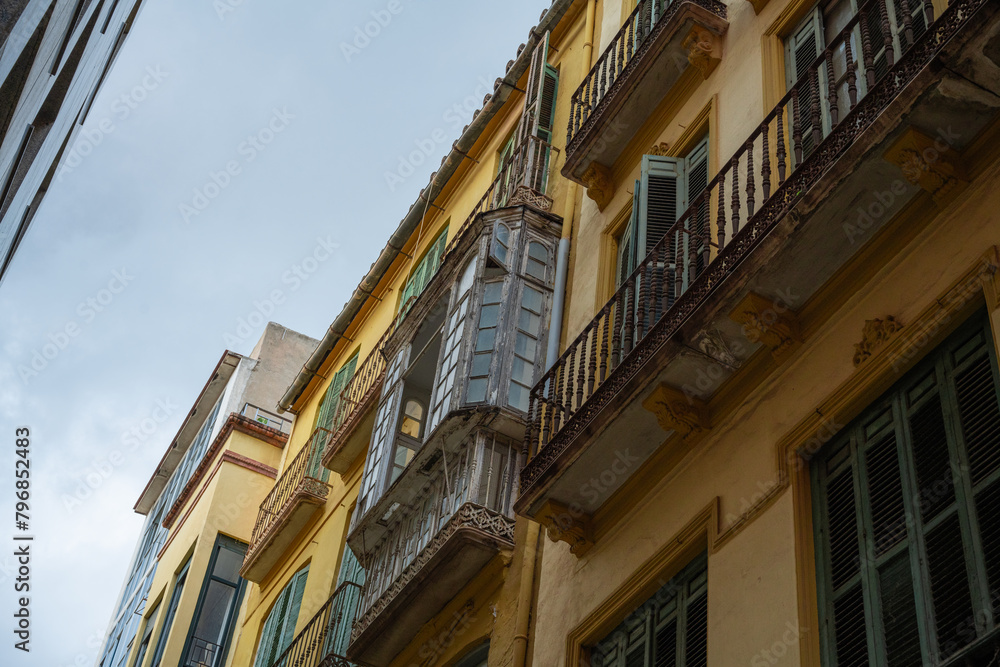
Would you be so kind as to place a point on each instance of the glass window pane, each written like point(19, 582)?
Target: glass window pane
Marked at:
point(485, 340)
point(535, 269)
point(491, 292)
point(227, 565)
point(532, 299)
point(529, 322)
point(539, 252)
point(477, 390)
point(517, 397)
point(212, 617)
point(489, 316)
point(525, 346)
point(481, 364)
point(522, 371)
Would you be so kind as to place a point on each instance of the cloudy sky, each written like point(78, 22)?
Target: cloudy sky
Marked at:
point(155, 267)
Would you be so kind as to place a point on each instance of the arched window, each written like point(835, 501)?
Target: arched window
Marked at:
point(537, 262)
point(412, 423)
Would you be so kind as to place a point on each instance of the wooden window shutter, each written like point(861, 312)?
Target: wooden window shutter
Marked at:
point(296, 588)
point(266, 650)
point(801, 50)
point(530, 117)
point(661, 201)
point(628, 239)
point(547, 102)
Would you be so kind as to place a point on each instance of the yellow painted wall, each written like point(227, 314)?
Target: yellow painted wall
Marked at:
point(228, 504)
point(757, 583)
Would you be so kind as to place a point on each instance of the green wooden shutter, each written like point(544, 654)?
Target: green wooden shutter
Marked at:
point(297, 587)
point(268, 636)
point(696, 177)
point(547, 103)
point(425, 270)
point(629, 238)
point(661, 201)
point(801, 50)
point(530, 119)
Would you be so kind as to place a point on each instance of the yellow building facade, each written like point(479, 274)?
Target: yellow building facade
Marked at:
point(710, 379)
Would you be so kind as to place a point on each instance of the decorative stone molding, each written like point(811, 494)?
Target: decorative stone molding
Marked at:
point(758, 5)
point(662, 149)
point(600, 184)
point(677, 412)
point(875, 334)
point(930, 163)
point(769, 322)
point(528, 197)
point(990, 279)
point(704, 49)
point(564, 524)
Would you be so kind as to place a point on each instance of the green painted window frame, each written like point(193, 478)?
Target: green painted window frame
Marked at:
point(673, 622)
point(175, 597)
point(147, 635)
point(278, 630)
point(425, 270)
point(906, 503)
point(222, 542)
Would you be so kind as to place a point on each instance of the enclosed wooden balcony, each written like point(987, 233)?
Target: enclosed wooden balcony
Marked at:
point(433, 547)
point(636, 385)
point(297, 496)
point(658, 43)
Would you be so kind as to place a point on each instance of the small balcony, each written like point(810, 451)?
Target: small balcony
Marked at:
point(355, 413)
point(435, 546)
point(267, 418)
point(297, 496)
point(323, 641)
point(636, 385)
point(660, 41)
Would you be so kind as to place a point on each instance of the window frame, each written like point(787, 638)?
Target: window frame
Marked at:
point(229, 625)
point(177, 590)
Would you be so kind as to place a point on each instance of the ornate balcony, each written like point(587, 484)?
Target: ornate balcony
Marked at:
point(355, 413)
point(296, 497)
point(658, 43)
point(434, 546)
point(635, 386)
point(322, 642)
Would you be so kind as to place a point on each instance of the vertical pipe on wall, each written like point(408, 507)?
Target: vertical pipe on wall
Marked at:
point(562, 254)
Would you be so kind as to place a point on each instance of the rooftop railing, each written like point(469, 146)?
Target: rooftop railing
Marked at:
point(266, 417)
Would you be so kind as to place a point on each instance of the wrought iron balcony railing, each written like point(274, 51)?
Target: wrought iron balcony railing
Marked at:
point(838, 98)
point(528, 166)
point(323, 642)
point(626, 48)
point(303, 478)
point(266, 418)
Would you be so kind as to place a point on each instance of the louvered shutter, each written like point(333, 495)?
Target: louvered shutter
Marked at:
point(661, 202)
point(629, 239)
point(699, 224)
point(266, 649)
point(536, 81)
point(801, 50)
point(296, 589)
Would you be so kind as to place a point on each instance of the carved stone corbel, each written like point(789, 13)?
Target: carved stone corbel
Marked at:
point(677, 412)
point(990, 278)
point(704, 49)
point(875, 334)
point(662, 149)
point(758, 5)
point(566, 525)
point(930, 163)
point(769, 322)
point(600, 185)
